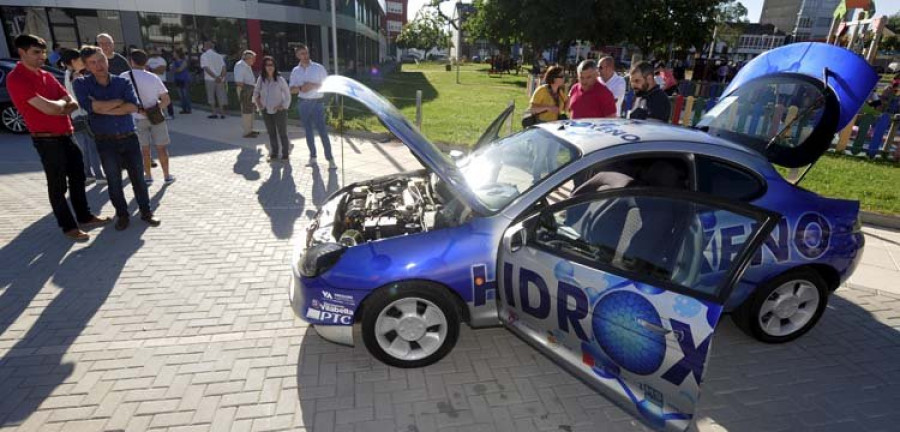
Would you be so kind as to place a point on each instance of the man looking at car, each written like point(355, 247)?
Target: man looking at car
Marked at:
point(45, 105)
point(110, 100)
point(651, 103)
point(588, 98)
point(613, 81)
point(306, 78)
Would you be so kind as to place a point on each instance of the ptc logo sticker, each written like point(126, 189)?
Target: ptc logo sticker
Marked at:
point(812, 236)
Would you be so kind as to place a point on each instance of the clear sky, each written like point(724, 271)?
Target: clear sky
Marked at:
point(754, 7)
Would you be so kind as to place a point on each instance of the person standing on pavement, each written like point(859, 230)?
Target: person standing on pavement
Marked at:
point(213, 65)
point(45, 106)
point(588, 98)
point(71, 59)
point(117, 62)
point(55, 55)
point(306, 78)
point(615, 83)
point(151, 93)
point(110, 100)
point(651, 102)
point(182, 80)
point(158, 65)
point(273, 98)
point(245, 82)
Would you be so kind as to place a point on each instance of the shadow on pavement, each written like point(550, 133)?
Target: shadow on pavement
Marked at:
point(280, 200)
point(85, 279)
point(246, 163)
point(320, 190)
point(839, 376)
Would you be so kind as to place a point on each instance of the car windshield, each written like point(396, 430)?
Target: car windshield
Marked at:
point(782, 109)
point(501, 171)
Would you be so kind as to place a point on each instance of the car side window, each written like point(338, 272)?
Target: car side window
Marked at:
point(662, 241)
point(726, 180)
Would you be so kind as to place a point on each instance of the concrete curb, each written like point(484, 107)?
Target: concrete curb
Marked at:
point(880, 220)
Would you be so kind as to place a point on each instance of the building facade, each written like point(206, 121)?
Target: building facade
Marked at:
point(270, 27)
point(802, 20)
point(395, 19)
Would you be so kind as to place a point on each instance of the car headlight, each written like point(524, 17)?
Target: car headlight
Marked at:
point(320, 258)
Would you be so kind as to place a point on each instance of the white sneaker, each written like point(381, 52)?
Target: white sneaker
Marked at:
point(331, 164)
point(101, 181)
point(89, 180)
point(312, 162)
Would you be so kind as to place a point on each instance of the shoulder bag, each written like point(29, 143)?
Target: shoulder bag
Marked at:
point(154, 113)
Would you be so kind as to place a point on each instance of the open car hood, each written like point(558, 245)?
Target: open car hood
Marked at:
point(393, 120)
point(850, 77)
point(788, 103)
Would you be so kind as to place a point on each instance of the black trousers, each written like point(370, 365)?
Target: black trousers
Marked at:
point(276, 127)
point(64, 168)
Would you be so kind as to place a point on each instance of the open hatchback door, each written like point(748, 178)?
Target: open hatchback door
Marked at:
point(789, 102)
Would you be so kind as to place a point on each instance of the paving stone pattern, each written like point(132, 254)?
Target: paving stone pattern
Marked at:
point(187, 327)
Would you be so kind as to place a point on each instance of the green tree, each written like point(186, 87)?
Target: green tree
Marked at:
point(425, 32)
point(893, 22)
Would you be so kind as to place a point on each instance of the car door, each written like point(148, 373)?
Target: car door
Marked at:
point(625, 287)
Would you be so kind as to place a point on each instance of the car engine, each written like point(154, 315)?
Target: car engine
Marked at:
point(388, 207)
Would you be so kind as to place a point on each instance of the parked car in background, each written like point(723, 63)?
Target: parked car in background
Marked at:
point(409, 58)
point(10, 118)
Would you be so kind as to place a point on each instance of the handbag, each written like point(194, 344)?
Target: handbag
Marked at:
point(529, 119)
point(154, 113)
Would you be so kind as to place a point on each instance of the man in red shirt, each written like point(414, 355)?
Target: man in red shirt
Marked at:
point(589, 98)
point(45, 105)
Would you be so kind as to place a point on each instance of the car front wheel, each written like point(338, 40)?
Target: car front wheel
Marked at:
point(410, 325)
point(12, 120)
point(784, 308)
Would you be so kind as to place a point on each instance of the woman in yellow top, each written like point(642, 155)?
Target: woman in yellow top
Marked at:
point(549, 100)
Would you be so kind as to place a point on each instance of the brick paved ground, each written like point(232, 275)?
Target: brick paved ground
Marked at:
point(187, 327)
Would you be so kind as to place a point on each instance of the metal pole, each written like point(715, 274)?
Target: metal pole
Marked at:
point(334, 34)
point(509, 123)
point(341, 129)
point(419, 109)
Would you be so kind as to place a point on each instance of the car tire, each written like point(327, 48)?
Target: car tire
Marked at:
point(12, 120)
point(411, 324)
point(784, 308)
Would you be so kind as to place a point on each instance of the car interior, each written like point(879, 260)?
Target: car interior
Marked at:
point(654, 236)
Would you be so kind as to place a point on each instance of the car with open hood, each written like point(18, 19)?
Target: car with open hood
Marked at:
point(612, 246)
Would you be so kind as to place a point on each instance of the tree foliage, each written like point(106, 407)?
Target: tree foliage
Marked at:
point(651, 25)
point(893, 22)
point(425, 32)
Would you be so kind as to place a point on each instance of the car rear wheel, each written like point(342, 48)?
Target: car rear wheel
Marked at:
point(784, 308)
point(410, 325)
point(12, 120)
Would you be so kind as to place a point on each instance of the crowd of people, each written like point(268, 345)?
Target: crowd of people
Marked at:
point(599, 93)
point(111, 111)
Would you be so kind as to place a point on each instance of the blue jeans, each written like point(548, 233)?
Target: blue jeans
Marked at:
point(312, 114)
point(91, 157)
point(184, 93)
point(116, 155)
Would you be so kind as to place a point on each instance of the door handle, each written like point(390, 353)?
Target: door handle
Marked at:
point(653, 327)
point(515, 240)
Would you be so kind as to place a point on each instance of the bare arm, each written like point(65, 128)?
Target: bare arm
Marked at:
point(209, 72)
point(309, 87)
point(48, 106)
point(164, 101)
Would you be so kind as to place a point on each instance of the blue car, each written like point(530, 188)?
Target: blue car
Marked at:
point(612, 246)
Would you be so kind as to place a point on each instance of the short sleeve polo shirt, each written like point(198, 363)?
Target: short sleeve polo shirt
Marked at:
point(24, 84)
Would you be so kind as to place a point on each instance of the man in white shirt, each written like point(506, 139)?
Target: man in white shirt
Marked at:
point(245, 82)
point(612, 81)
point(305, 81)
point(158, 65)
point(150, 92)
point(213, 65)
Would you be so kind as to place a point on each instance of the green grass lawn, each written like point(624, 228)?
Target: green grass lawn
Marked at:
point(876, 185)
